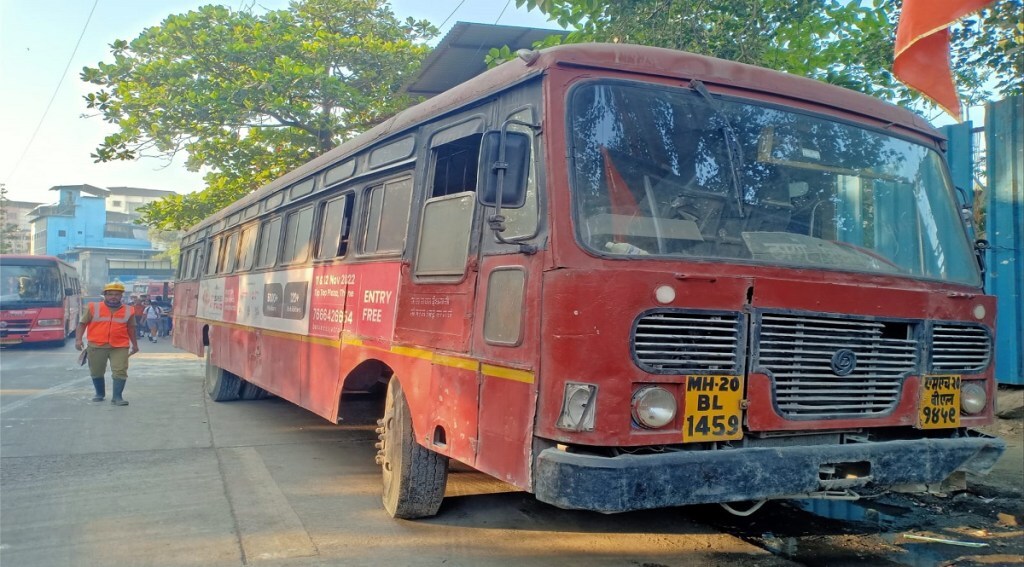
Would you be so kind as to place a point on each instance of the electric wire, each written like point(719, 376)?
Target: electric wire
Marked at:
point(502, 12)
point(441, 27)
point(55, 91)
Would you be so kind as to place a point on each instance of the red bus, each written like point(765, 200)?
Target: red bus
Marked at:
point(152, 290)
point(619, 278)
point(40, 299)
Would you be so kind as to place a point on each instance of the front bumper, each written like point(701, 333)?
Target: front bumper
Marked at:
point(636, 482)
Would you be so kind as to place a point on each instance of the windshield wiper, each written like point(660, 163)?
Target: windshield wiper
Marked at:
point(732, 143)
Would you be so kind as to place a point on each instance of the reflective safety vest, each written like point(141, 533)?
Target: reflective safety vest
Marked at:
point(109, 327)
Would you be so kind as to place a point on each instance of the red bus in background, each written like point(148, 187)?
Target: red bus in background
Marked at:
point(618, 277)
point(152, 290)
point(40, 299)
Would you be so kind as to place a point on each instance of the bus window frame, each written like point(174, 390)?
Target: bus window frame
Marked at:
point(228, 253)
point(252, 228)
point(272, 258)
point(213, 257)
point(286, 258)
point(344, 234)
point(367, 210)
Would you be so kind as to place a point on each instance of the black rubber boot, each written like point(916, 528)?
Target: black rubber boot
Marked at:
point(118, 388)
point(101, 389)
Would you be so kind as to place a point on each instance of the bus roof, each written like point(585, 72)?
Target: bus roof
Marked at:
point(30, 259)
point(637, 59)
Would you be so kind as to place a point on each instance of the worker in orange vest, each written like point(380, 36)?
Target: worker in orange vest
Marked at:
point(110, 326)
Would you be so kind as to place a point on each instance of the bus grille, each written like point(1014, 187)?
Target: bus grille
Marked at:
point(959, 348)
point(798, 352)
point(688, 342)
point(16, 327)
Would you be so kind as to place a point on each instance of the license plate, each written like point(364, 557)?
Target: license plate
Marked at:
point(940, 402)
point(713, 409)
point(10, 341)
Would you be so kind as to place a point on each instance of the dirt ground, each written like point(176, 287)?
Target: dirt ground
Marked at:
point(977, 522)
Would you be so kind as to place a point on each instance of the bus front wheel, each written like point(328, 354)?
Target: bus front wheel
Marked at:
point(414, 477)
point(221, 385)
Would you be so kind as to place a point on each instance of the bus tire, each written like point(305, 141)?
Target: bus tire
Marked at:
point(250, 391)
point(221, 385)
point(414, 477)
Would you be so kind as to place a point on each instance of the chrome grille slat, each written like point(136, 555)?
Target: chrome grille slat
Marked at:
point(797, 351)
point(960, 348)
point(678, 342)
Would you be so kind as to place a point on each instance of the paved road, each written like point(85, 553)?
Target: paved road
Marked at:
point(177, 480)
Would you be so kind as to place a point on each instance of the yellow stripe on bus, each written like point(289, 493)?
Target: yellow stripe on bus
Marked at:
point(490, 370)
point(507, 373)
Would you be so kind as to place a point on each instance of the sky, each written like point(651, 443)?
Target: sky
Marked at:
point(44, 144)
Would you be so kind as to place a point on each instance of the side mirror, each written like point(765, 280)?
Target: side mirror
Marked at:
point(504, 169)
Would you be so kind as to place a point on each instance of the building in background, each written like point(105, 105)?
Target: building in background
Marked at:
point(94, 229)
point(18, 238)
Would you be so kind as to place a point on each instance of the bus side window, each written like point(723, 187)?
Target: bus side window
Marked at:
point(297, 228)
point(387, 216)
point(211, 265)
point(270, 237)
point(197, 262)
point(228, 254)
point(335, 224)
point(455, 166)
point(246, 248)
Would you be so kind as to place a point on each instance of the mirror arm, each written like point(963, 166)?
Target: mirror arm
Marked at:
point(980, 247)
point(496, 222)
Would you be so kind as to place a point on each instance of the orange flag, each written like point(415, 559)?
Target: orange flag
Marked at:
point(621, 199)
point(922, 48)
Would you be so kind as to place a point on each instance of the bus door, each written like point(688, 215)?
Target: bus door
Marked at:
point(439, 287)
point(506, 329)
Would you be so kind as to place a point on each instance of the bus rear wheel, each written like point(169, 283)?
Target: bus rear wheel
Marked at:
point(413, 476)
point(221, 385)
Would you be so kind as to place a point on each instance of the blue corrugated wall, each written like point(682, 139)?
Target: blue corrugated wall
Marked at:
point(1004, 141)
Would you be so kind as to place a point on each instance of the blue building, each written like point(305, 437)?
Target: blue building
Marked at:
point(103, 244)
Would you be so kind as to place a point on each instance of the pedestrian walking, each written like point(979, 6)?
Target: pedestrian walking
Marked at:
point(110, 328)
point(152, 313)
point(140, 319)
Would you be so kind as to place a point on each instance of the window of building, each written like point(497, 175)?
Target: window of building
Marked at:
point(62, 233)
point(115, 203)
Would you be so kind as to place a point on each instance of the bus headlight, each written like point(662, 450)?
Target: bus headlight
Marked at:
point(48, 322)
point(653, 407)
point(973, 398)
point(579, 403)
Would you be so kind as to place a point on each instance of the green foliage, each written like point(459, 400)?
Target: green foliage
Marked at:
point(988, 51)
point(8, 230)
point(250, 96)
point(849, 44)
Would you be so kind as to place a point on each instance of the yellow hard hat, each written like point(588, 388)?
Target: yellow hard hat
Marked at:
point(114, 286)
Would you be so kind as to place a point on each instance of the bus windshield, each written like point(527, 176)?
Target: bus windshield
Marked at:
point(30, 285)
point(673, 172)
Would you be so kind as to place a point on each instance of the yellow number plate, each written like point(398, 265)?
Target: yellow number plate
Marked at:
point(712, 410)
point(940, 402)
